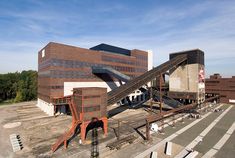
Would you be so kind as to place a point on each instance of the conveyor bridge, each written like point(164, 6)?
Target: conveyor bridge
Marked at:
point(122, 91)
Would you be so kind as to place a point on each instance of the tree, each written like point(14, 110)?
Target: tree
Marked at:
point(18, 86)
point(18, 97)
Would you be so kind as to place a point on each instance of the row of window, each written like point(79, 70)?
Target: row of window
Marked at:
point(44, 64)
point(141, 57)
point(66, 74)
point(79, 64)
point(140, 70)
point(71, 63)
point(52, 87)
point(71, 74)
point(66, 63)
point(212, 81)
point(123, 68)
point(117, 60)
point(142, 63)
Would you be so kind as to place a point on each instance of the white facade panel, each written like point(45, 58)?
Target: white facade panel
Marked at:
point(46, 107)
point(68, 86)
point(150, 59)
point(231, 101)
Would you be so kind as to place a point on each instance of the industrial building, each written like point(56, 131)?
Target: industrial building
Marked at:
point(89, 104)
point(89, 81)
point(187, 82)
point(225, 87)
point(62, 67)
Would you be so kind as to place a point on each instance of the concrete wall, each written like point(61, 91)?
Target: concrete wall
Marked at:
point(187, 79)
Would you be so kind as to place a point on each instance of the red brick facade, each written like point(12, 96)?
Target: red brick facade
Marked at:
point(59, 63)
point(225, 87)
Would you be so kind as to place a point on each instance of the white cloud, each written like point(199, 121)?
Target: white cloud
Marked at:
point(207, 25)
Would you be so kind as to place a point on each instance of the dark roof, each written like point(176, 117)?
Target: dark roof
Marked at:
point(111, 49)
point(194, 56)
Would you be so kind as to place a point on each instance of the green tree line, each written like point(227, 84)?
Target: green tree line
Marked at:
point(18, 86)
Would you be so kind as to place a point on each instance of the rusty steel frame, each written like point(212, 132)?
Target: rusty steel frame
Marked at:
point(160, 91)
point(162, 115)
point(127, 88)
point(77, 120)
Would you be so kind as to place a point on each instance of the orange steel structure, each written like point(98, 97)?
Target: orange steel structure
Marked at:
point(78, 120)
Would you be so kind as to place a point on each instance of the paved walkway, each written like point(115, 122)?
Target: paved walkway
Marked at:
point(182, 132)
point(220, 143)
point(217, 132)
point(201, 136)
point(189, 135)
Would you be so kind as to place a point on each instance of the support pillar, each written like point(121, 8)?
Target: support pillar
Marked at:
point(173, 122)
point(162, 127)
point(147, 131)
point(105, 123)
point(83, 127)
point(118, 135)
point(160, 91)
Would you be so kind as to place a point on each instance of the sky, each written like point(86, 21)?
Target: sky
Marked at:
point(164, 27)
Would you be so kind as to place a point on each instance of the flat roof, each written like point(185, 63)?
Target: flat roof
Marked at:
point(111, 49)
point(186, 51)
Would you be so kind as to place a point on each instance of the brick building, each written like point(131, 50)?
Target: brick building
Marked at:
point(62, 68)
point(225, 87)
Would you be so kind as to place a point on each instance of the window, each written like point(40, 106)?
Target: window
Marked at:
point(43, 53)
point(117, 60)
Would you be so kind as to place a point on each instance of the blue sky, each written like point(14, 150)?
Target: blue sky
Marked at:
point(161, 26)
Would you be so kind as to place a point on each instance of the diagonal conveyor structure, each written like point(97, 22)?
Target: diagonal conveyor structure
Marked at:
point(126, 89)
